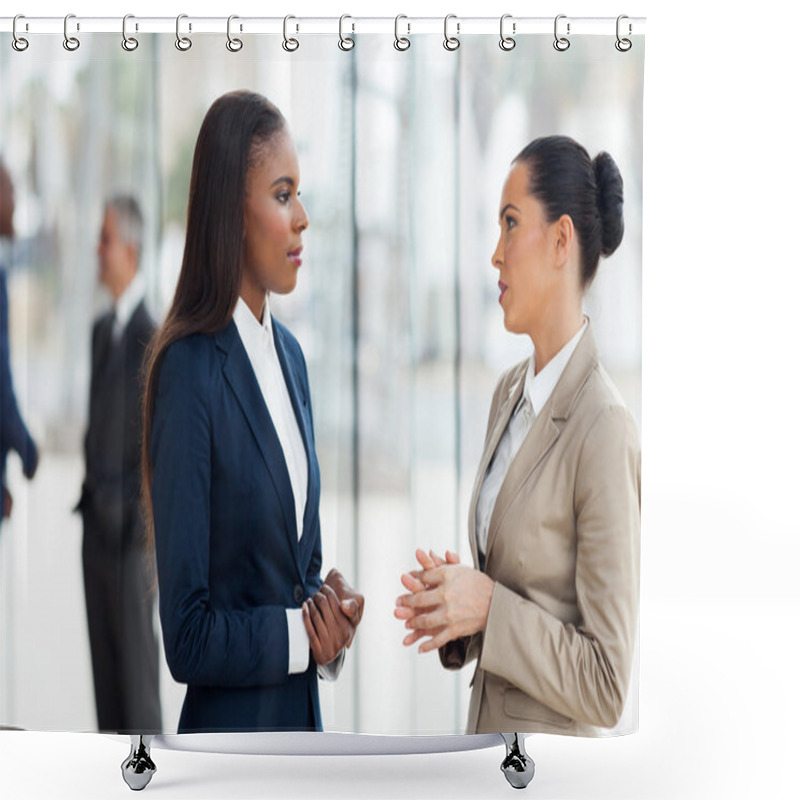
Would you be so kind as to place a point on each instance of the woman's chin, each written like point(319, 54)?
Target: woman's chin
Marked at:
point(508, 322)
point(286, 287)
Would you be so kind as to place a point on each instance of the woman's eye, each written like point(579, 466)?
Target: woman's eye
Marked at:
point(283, 197)
point(510, 223)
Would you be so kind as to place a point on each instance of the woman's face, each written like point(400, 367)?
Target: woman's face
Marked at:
point(525, 255)
point(274, 219)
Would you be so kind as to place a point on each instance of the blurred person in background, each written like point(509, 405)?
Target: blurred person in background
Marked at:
point(116, 571)
point(14, 434)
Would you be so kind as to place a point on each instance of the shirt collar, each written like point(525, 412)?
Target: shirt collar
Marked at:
point(539, 387)
point(251, 329)
point(129, 300)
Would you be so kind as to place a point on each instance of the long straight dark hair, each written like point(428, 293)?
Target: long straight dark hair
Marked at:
point(234, 131)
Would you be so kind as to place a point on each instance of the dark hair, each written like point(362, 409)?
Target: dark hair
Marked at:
point(566, 181)
point(234, 132)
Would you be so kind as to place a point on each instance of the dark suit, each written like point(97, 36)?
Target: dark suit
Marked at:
point(229, 560)
point(119, 603)
point(13, 433)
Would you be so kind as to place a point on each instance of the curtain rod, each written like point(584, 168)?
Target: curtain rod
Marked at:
point(301, 25)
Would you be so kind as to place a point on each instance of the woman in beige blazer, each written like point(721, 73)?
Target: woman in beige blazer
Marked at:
point(550, 609)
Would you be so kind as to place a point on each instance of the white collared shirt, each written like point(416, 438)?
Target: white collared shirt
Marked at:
point(536, 392)
point(259, 344)
point(126, 304)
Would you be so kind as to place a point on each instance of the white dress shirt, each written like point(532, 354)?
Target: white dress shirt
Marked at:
point(537, 391)
point(126, 304)
point(259, 344)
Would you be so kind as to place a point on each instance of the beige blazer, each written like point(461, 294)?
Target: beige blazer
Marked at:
point(563, 550)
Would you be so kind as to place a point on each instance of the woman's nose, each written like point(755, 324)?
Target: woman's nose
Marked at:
point(301, 221)
point(497, 256)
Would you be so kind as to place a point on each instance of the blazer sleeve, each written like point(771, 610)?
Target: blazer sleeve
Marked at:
point(13, 432)
point(204, 645)
point(313, 573)
point(582, 671)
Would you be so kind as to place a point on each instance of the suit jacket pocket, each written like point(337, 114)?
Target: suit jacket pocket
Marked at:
point(519, 705)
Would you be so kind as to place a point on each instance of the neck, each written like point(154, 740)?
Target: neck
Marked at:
point(549, 338)
point(255, 299)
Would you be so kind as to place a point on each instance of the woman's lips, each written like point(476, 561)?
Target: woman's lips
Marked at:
point(294, 255)
point(503, 288)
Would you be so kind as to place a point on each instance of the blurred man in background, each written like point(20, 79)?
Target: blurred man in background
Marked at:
point(119, 603)
point(13, 432)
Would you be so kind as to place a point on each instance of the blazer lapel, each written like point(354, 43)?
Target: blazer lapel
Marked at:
point(545, 430)
point(301, 411)
point(493, 440)
point(541, 437)
point(240, 377)
point(139, 327)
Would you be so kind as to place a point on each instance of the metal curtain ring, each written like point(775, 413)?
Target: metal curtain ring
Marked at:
point(507, 42)
point(401, 42)
point(233, 44)
point(129, 43)
point(19, 43)
point(623, 45)
point(345, 42)
point(451, 42)
point(289, 44)
point(70, 42)
point(183, 43)
point(561, 43)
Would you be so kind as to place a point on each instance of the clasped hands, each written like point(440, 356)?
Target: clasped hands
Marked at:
point(446, 600)
point(331, 617)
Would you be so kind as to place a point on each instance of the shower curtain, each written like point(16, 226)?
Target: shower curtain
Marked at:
point(403, 156)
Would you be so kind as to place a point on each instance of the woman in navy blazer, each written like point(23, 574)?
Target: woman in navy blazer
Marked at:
point(234, 561)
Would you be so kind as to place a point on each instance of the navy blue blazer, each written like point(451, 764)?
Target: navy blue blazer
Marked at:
point(13, 433)
point(229, 561)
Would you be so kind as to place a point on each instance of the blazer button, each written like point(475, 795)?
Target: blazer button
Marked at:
point(298, 594)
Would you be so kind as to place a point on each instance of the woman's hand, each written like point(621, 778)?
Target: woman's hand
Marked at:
point(413, 582)
point(328, 626)
point(352, 603)
point(447, 600)
point(430, 560)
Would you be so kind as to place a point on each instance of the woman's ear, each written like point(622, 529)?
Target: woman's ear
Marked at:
point(564, 239)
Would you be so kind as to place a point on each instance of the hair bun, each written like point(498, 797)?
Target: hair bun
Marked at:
point(609, 201)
